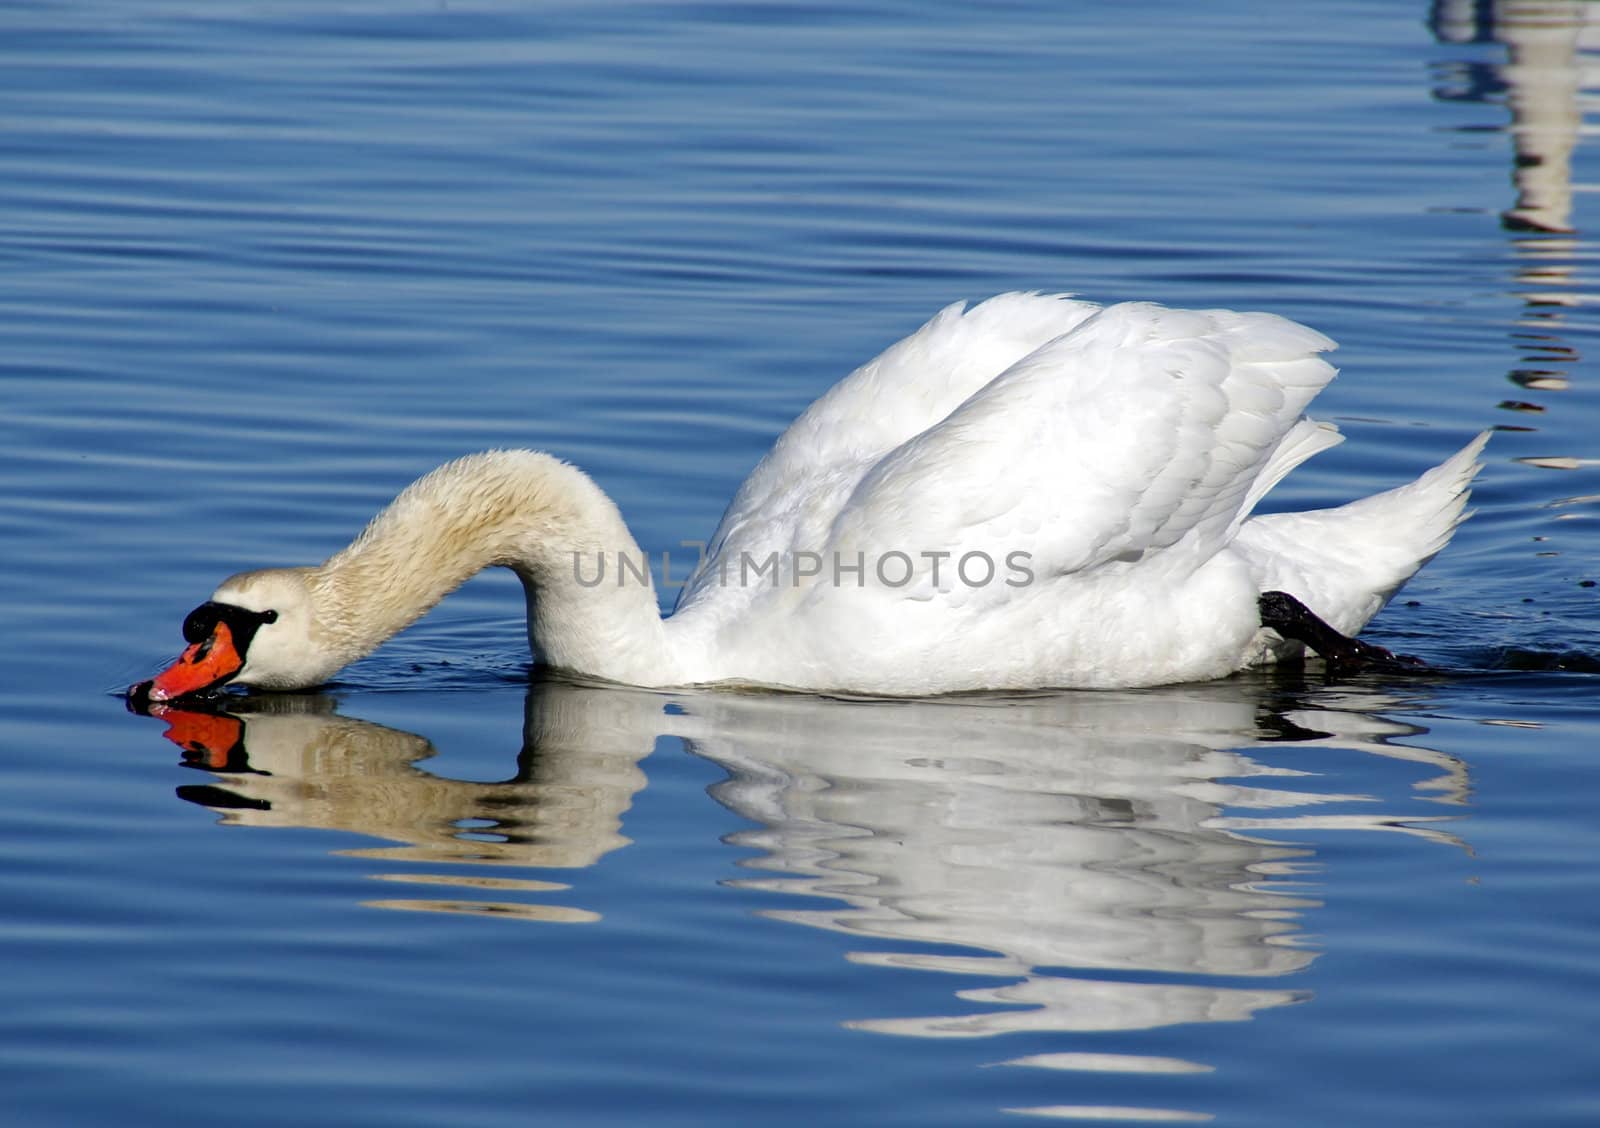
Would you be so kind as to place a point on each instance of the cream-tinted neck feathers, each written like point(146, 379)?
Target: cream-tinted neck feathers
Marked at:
point(522, 510)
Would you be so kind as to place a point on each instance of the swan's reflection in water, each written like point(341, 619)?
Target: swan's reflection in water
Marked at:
point(292, 761)
point(1079, 831)
point(1036, 840)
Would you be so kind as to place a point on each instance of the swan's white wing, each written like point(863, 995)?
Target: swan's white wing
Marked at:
point(1142, 429)
point(915, 383)
point(907, 389)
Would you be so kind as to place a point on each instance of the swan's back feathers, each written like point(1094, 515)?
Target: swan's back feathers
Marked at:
point(1139, 430)
point(916, 382)
point(908, 388)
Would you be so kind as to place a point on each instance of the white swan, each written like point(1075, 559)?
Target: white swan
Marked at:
point(1036, 491)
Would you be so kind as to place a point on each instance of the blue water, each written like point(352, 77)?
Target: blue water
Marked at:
point(263, 264)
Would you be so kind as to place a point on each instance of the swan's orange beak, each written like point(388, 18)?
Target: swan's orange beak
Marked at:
point(209, 662)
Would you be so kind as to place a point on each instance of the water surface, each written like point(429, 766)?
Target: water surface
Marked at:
point(264, 264)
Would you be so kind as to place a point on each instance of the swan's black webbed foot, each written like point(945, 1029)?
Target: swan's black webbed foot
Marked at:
point(1343, 654)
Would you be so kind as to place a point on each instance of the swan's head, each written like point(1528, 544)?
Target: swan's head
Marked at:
point(259, 629)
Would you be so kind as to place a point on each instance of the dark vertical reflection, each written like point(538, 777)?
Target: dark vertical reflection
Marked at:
point(1534, 61)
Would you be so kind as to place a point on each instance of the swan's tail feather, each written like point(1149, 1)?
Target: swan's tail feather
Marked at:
point(1346, 563)
point(1444, 490)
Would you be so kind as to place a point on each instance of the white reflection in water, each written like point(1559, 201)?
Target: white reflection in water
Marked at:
point(1081, 831)
point(1548, 82)
point(1035, 839)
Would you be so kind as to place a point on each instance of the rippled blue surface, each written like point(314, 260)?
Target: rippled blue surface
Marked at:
point(262, 264)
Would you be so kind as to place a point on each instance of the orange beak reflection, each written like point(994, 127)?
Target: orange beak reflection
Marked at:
point(205, 664)
point(214, 741)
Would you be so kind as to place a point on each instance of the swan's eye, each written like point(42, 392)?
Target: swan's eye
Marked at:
point(269, 616)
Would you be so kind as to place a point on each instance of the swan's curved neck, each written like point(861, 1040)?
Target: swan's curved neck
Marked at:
point(522, 510)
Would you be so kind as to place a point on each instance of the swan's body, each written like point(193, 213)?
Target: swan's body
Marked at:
point(1031, 492)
